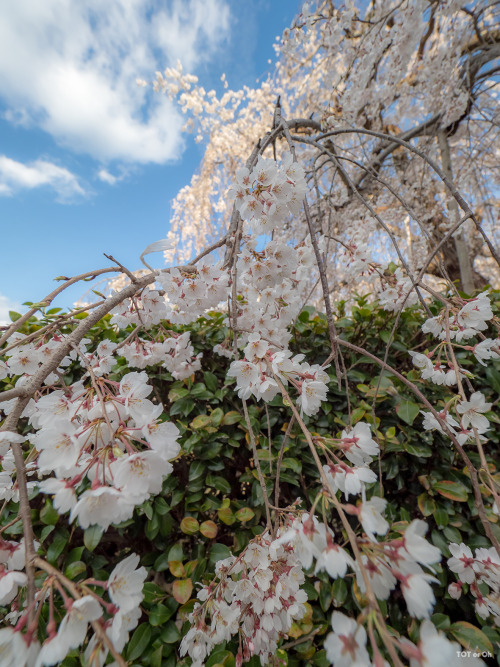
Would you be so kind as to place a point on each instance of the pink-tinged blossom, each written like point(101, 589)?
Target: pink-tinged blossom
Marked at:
point(123, 623)
point(102, 506)
point(162, 437)
point(64, 498)
point(346, 645)
point(417, 547)
point(487, 349)
point(418, 594)
point(472, 410)
point(13, 648)
point(140, 474)
point(335, 560)
point(73, 627)
point(462, 562)
point(53, 651)
point(476, 313)
point(10, 580)
point(370, 515)
point(7, 438)
point(433, 649)
point(126, 582)
point(358, 444)
point(312, 394)
point(379, 572)
point(350, 481)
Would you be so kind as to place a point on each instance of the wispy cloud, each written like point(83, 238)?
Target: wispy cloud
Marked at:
point(6, 305)
point(15, 176)
point(70, 67)
point(107, 177)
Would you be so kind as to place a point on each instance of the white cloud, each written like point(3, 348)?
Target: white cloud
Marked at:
point(5, 305)
point(70, 68)
point(15, 176)
point(106, 177)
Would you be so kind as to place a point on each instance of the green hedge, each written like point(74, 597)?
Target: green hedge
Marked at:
point(212, 502)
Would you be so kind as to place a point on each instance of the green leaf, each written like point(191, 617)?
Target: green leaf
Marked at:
point(209, 529)
point(56, 548)
point(92, 537)
point(426, 504)
point(452, 490)
point(245, 514)
point(231, 417)
point(339, 592)
point(177, 393)
point(211, 380)
point(170, 634)
point(441, 621)
point(190, 525)
point(471, 637)
point(182, 589)
point(176, 552)
point(156, 658)
point(417, 449)
point(441, 517)
point(139, 642)
point(48, 515)
point(219, 552)
point(159, 615)
point(407, 411)
point(219, 483)
point(196, 470)
point(201, 421)
point(74, 569)
point(217, 416)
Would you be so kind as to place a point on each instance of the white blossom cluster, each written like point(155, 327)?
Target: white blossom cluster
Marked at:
point(481, 573)
point(359, 448)
point(267, 194)
point(110, 438)
point(346, 646)
point(468, 321)
point(270, 283)
point(124, 587)
point(385, 564)
point(190, 295)
point(175, 353)
point(12, 562)
point(8, 487)
point(256, 595)
point(186, 296)
point(397, 292)
point(471, 319)
point(256, 375)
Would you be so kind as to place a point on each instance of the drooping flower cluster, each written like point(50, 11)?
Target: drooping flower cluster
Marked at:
point(12, 562)
point(191, 294)
point(109, 436)
point(436, 372)
point(256, 595)
point(471, 319)
point(116, 619)
point(174, 352)
point(470, 415)
point(359, 448)
point(397, 292)
point(385, 563)
point(481, 573)
point(268, 194)
point(270, 285)
point(256, 375)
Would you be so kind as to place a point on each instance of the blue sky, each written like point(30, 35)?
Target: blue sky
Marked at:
point(89, 162)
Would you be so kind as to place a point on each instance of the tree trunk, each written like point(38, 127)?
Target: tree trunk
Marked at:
point(462, 252)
